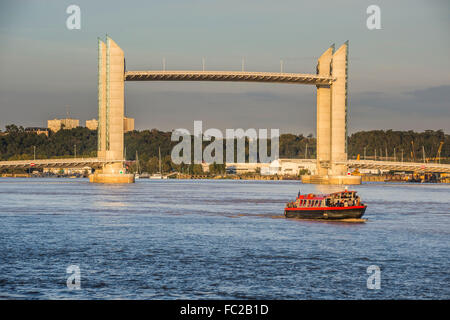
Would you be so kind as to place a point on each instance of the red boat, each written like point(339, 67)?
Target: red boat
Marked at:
point(334, 206)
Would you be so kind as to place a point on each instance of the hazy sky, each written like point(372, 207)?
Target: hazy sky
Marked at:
point(399, 76)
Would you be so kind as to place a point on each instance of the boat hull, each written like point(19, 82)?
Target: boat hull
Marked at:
point(331, 213)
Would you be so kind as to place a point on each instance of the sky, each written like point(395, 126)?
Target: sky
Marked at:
point(399, 75)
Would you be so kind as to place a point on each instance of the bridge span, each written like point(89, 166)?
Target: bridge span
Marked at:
point(398, 166)
point(97, 163)
point(94, 163)
point(236, 76)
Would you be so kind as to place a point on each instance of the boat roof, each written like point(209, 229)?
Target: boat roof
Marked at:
point(312, 196)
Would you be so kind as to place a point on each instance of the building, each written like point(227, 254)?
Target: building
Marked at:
point(37, 130)
point(205, 167)
point(56, 124)
point(283, 167)
point(92, 124)
point(128, 124)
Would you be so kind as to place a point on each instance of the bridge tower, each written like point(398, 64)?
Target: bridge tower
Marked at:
point(111, 77)
point(332, 103)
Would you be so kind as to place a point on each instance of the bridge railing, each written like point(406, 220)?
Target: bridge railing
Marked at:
point(395, 165)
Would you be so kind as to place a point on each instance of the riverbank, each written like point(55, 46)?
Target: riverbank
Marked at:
point(364, 178)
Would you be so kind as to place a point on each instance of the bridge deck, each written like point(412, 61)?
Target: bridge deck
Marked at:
point(97, 163)
point(241, 76)
point(57, 163)
point(398, 166)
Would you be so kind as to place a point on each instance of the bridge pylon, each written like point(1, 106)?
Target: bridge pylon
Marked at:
point(332, 103)
point(111, 70)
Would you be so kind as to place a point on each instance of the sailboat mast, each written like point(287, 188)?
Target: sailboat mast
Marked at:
point(137, 162)
point(159, 151)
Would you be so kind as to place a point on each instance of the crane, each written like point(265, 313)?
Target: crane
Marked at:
point(437, 158)
point(438, 154)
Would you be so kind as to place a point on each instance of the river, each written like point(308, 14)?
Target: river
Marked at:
point(218, 239)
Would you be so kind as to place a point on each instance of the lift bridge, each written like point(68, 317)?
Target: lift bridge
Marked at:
point(331, 81)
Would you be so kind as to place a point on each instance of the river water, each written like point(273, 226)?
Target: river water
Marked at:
point(218, 239)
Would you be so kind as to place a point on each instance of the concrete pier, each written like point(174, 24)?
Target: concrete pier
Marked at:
point(111, 70)
point(332, 101)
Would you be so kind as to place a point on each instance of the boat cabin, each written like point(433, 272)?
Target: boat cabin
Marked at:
point(337, 199)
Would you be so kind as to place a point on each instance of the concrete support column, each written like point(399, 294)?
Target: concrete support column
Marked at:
point(115, 81)
point(332, 104)
point(111, 84)
point(101, 131)
point(339, 110)
point(324, 114)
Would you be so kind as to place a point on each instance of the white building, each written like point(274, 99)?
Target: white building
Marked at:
point(289, 167)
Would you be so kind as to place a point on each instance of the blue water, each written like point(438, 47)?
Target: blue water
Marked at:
point(205, 239)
